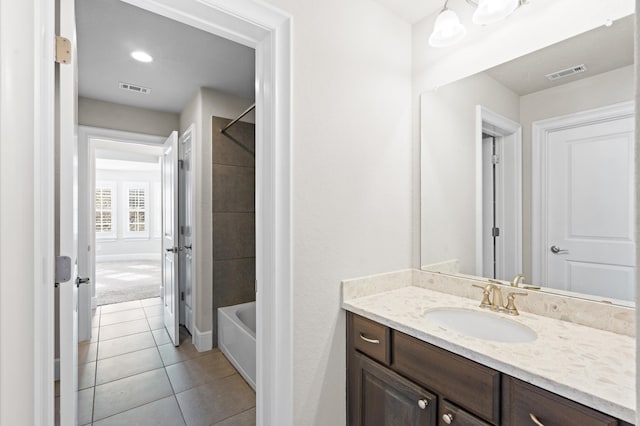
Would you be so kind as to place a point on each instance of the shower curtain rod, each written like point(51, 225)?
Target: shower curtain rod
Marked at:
point(247, 111)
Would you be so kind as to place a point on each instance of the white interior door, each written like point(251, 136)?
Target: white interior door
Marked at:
point(186, 230)
point(590, 244)
point(170, 270)
point(67, 223)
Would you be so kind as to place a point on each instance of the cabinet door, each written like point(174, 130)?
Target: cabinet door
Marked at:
point(456, 416)
point(381, 397)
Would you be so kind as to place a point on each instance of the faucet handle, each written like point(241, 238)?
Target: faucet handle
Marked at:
point(485, 303)
point(511, 306)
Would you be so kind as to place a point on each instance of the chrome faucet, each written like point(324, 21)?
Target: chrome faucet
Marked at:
point(517, 279)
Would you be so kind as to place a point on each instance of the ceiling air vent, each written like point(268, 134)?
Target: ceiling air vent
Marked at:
point(133, 88)
point(566, 72)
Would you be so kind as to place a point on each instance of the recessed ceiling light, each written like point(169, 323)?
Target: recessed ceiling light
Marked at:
point(141, 56)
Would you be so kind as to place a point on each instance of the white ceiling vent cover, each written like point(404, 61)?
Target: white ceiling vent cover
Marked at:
point(133, 88)
point(566, 72)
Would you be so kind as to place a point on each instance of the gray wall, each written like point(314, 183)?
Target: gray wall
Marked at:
point(107, 115)
point(234, 232)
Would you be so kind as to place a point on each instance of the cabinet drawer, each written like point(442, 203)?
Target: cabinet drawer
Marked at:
point(456, 416)
point(370, 338)
point(522, 401)
point(474, 387)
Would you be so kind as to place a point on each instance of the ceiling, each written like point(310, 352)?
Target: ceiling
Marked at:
point(602, 49)
point(412, 10)
point(184, 58)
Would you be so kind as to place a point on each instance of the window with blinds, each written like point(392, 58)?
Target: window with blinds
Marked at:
point(104, 209)
point(137, 202)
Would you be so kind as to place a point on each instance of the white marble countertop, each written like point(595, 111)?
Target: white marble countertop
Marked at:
point(587, 365)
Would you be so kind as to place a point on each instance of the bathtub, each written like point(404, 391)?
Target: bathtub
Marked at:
point(237, 338)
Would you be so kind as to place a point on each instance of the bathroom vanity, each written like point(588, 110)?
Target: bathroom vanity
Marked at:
point(404, 369)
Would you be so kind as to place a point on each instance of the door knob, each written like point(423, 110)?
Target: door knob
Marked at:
point(172, 249)
point(423, 403)
point(82, 281)
point(558, 250)
point(447, 418)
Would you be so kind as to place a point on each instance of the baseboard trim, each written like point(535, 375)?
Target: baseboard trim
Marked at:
point(203, 341)
point(56, 369)
point(127, 257)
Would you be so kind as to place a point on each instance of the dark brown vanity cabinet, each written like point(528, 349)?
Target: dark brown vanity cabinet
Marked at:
point(385, 398)
point(397, 380)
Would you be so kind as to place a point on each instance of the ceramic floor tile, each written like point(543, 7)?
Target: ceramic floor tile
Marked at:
point(116, 307)
point(151, 302)
point(86, 375)
point(216, 401)
point(87, 352)
point(121, 316)
point(130, 392)
point(156, 323)
point(198, 371)
point(164, 412)
point(161, 337)
point(248, 418)
point(154, 311)
point(123, 329)
point(126, 344)
point(130, 364)
point(85, 406)
point(171, 354)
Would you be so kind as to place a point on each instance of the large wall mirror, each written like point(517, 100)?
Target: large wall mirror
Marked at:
point(528, 168)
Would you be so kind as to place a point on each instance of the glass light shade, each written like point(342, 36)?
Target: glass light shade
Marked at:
point(491, 11)
point(447, 30)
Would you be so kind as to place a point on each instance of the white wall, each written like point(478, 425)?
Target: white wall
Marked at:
point(352, 190)
point(204, 104)
point(123, 247)
point(107, 115)
point(448, 186)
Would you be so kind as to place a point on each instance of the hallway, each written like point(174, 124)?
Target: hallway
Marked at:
point(131, 374)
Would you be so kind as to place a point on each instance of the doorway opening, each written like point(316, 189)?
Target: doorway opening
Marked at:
point(498, 195)
point(126, 207)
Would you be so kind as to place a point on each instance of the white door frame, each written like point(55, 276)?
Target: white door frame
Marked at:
point(268, 30)
point(540, 131)
point(494, 124)
point(87, 137)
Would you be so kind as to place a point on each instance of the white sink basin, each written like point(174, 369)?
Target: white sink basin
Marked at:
point(482, 325)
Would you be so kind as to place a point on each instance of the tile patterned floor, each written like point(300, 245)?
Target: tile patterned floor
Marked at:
point(131, 374)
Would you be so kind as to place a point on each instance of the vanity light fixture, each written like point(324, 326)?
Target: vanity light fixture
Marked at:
point(492, 11)
point(448, 29)
point(141, 56)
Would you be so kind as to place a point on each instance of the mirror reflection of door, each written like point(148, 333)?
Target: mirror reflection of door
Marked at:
point(589, 246)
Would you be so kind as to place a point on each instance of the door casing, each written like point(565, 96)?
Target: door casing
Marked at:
point(268, 30)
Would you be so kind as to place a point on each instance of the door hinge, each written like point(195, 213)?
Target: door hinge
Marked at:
point(63, 50)
point(62, 270)
point(495, 159)
point(495, 232)
point(182, 296)
point(181, 164)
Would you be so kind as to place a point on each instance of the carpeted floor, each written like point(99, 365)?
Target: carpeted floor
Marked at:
point(124, 281)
